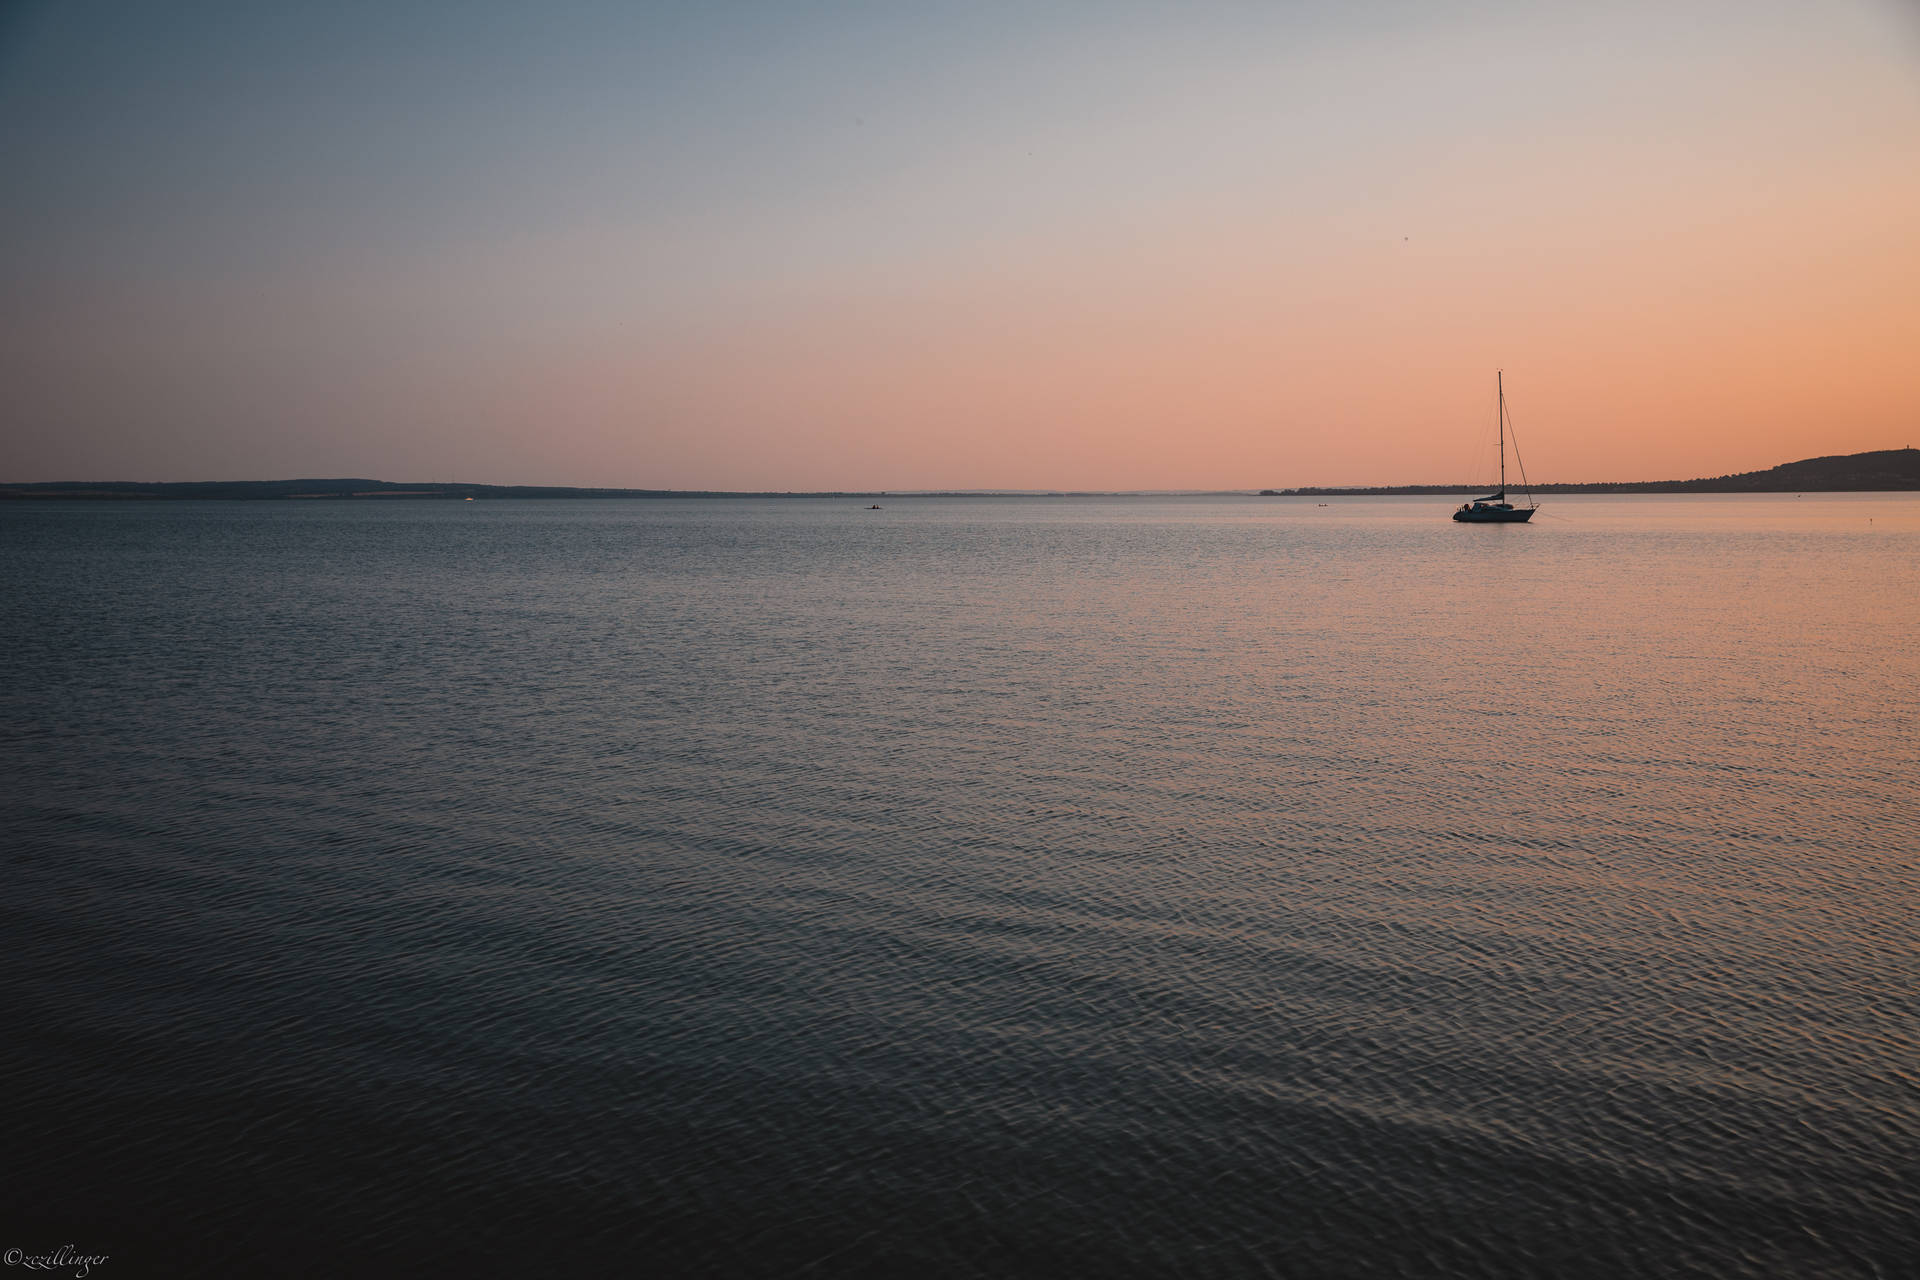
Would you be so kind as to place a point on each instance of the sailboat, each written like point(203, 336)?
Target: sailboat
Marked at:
point(1494, 508)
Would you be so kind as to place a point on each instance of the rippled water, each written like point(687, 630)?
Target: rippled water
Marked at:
point(970, 888)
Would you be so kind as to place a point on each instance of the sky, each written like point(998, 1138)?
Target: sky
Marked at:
point(841, 245)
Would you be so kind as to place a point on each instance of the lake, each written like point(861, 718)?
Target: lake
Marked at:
point(974, 887)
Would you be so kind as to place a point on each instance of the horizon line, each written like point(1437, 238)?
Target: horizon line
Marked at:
point(361, 486)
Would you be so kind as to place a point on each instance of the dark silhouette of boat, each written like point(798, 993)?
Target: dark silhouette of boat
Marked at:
point(1494, 508)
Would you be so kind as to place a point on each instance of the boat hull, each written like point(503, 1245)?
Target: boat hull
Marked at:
point(1487, 515)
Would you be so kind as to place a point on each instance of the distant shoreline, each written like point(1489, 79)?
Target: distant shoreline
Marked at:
point(1881, 471)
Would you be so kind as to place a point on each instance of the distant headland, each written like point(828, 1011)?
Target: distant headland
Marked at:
point(1884, 469)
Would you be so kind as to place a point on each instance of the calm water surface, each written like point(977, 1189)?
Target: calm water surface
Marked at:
point(1121, 887)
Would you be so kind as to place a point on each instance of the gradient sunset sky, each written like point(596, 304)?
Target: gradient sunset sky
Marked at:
point(954, 245)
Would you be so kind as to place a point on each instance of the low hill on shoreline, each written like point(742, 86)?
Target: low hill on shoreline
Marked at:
point(1880, 470)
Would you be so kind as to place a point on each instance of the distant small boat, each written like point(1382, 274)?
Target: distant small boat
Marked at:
point(875, 507)
point(1494, 508)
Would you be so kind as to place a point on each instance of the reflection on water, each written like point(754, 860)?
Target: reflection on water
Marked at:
point(982, 887)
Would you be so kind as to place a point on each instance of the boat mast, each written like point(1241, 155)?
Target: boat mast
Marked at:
point(1499, 381)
